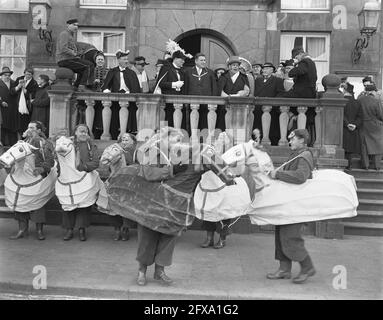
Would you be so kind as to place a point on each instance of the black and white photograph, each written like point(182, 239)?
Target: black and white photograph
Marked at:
point(191, 155)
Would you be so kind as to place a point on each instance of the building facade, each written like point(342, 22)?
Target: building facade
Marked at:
point(258, 30)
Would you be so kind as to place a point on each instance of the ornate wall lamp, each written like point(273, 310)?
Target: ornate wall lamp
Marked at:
point(368, 19)
point(41, 10)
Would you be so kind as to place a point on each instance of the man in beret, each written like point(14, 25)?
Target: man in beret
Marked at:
point(122, 79)
point(68, 56)
point(289, 244)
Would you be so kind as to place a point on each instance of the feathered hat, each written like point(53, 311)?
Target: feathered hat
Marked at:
point(176, 51)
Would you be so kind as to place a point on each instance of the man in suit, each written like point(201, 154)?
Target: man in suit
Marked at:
point(139, 69)
point(121, 79)
point(200, 81)
point(171, 80)
point(268, 86)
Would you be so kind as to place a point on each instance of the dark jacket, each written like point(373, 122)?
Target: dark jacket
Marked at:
point(352, 115)
point(41, 105)
point(226, 84)
point(300, 169)
point(66, 48)
point(305, 77)
point(112, 80)
point(271, 88)
point(203, 85)
point(168, 75)
point(9, 114)
point(44, 156)
point(372, 127)
point(87, 151)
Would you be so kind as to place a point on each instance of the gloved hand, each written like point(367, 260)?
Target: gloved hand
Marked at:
point(179, 168)
point(177, 84)
point(37, 171)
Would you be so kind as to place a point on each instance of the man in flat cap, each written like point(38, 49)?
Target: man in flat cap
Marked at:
point(68, 56)
point(122, 79)
point(268, 85)
point(289, 244)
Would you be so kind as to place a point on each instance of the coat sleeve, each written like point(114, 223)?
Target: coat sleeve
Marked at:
point(42, 100)
point(63, 47)
point(359, 115)
point(154, 173)
point(134, 84)
point(93, 162)
point(298, 176)
point(108, 80)
point(300, 69)
point(166, 82)
point(280, 88)
point(214, 84)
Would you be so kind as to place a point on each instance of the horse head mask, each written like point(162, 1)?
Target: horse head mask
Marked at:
point(17, 152)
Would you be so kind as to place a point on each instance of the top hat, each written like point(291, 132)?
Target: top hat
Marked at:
point(140, 58)
point(121, 53)
point(256, 64)
point(233, 59)
point(300, 134)
point(71, 21)
point(5, 70)
point(268, 65)
point(296, 51)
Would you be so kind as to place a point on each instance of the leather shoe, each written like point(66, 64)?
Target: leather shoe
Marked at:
point(117, 235)
point(68, 235)
point(303, 276)
point(20, 234)
point(208, 243)
point(141, 279)
point(125, 234)
point(279, 274)
point(220, 244)
point(82, 235)
point(161, 276)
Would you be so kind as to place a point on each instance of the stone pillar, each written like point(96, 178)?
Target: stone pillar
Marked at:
point(194, 118)
point(211, 118)
point(302, 118)
point(283, 124)
point(106, 118)
point(177, 115)
point(266, 122)
point(89, 113)
point(318, 127)
point(124, 115)
point(237, 115)
point(61, 103)
point(148, 117)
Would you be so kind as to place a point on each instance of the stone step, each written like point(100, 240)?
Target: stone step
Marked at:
point(366, 174)
point(372, 194)
point(355, 162)
point(367, 216)
point(370, 205)
point(365, 183)
point(363, 229)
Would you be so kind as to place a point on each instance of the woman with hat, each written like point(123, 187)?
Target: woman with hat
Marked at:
point(9, 107)
point(233, 83)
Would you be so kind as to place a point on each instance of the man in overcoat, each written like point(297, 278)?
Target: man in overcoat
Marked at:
point(289, 243)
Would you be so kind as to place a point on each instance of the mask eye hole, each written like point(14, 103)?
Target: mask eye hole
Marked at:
point(21, 149)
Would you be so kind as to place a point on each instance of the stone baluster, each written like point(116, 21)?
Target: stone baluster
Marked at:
point(318, 126)
point(302, 118)
point(266, 122)
point(124, 116)
point(211, 118)
point(177, 116)
point(89, 113)
point(106, 118)
point(194, 118)
point(228, 117)
point(283, 124)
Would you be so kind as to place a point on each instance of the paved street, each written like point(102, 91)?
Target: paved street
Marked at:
point(102, 268)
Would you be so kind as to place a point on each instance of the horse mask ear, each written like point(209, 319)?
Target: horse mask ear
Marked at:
point(72, 138)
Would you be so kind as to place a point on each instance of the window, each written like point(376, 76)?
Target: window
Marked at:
point(13, 48)
point(107, 41)
point(107, 4)
point(316, 45)
point(305, 5)
point(14, 5)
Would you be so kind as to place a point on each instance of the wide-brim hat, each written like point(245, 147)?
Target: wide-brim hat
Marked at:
point(121, 53)
point(233, 59)
point(256, 64)
point(179, 55)
point(296, 51)
point(268, 65)
point(5, 70)
point(220, 67)
point(71, 21)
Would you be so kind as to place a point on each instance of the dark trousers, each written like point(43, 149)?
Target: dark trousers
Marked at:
point(8, 137)
point(79, 216)
point(119, 222)
point(289, 244)
point(376, 158)
point(37, 216)
point(83, 68)
point(154, 247)
point(222, 227)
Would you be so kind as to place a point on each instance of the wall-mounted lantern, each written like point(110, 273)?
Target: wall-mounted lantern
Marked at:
point(368, 19)
point(41, 10)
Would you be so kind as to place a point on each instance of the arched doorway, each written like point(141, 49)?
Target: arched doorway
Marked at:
point(214, 45)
